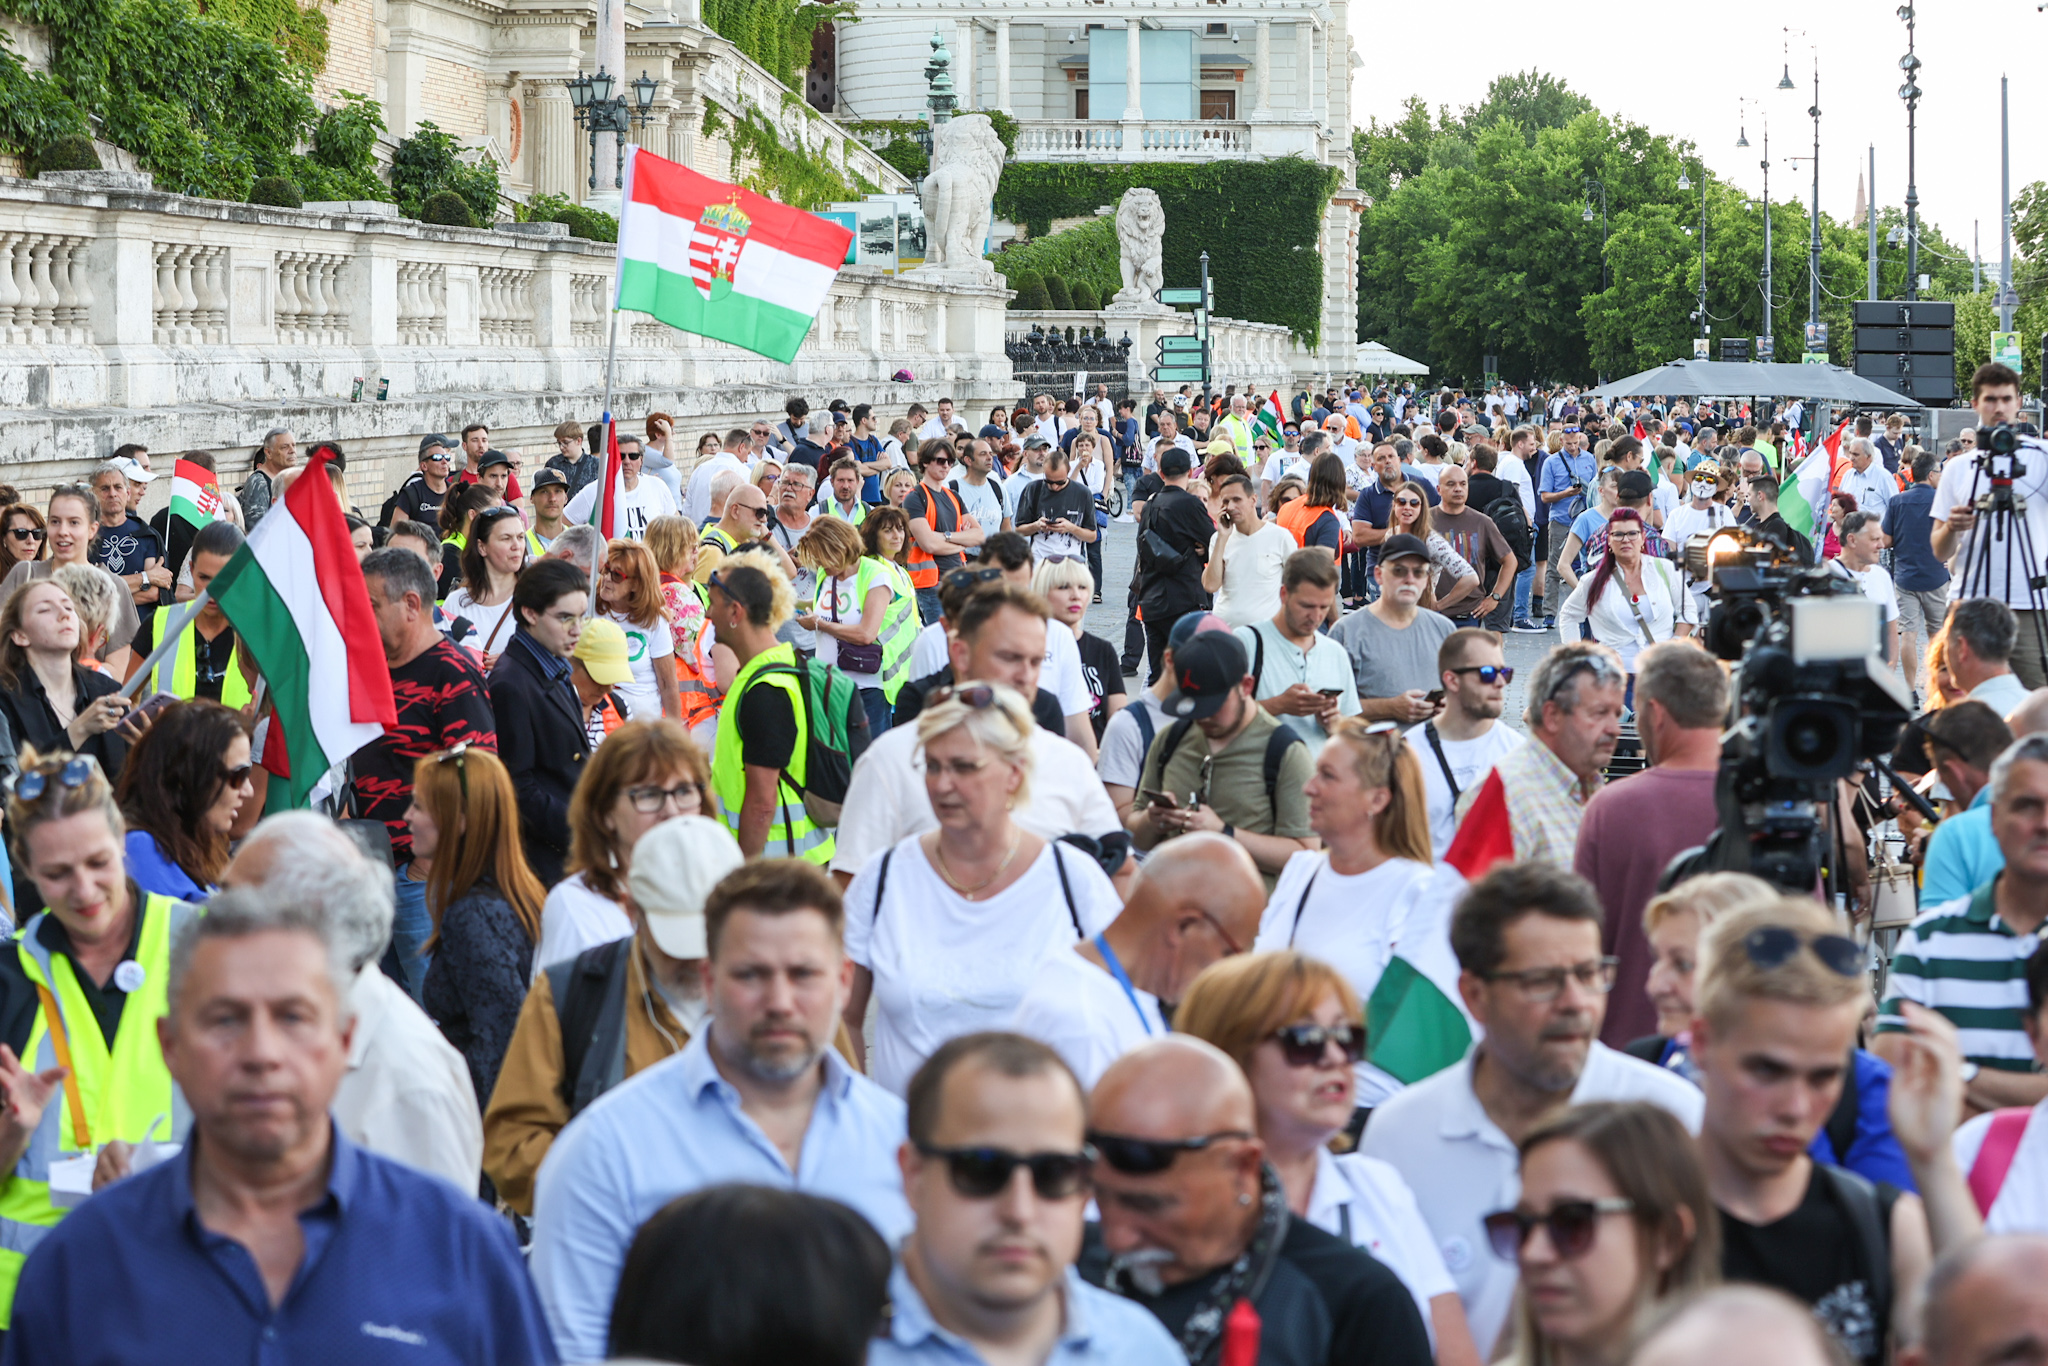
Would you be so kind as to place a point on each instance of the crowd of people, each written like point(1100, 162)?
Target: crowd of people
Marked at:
point(786, 932)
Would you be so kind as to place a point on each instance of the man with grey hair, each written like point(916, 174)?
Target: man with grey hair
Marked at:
point(406, 1094)
point(578, 545)
point(279, 453)
point(1983, 1305)
point(1967, 958)
point(1866, 480)
point(1982, 635)
point(273, 1235)
point(1538, 794)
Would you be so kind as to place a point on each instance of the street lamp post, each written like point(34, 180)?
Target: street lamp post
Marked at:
point(601, 111)
point(1910, 93)
point(1813, 245)
point(1683, 185)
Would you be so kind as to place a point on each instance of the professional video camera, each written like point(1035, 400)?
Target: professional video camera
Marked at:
point(2000, 559)
point(1813, 700)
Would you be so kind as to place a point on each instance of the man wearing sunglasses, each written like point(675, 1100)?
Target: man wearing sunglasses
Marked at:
point(1194, 1219)
point(1779, 1002)
point(634, 501)
point(1527, 939)
point(1460, 747)
point(997, 1173)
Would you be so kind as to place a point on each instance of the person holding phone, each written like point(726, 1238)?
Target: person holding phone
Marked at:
point(1299, 674)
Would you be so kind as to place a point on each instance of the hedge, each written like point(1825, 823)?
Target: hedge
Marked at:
point(1080, 255)
point(1260, 222)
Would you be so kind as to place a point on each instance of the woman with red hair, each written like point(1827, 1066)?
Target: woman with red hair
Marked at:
point(1631, 599)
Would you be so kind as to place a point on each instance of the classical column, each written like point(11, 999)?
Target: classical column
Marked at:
point(965, 34)
point(1133, 73)
point(610, 45)
point(1262, 57)
point(556, 167)
point(1003, 63)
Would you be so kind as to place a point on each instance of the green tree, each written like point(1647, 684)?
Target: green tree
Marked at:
point(1530, 100)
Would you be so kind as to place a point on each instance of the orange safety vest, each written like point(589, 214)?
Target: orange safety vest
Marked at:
point(1297, 517)
point(924, 570)
point(696, 683)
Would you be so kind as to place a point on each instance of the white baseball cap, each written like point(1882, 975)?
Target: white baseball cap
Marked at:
point(132, 470)
point(675, 866)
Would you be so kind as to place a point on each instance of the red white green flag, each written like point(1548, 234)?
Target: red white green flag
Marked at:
point(195, 494)
point(1266, 423)
point(295, 595)
point(721, 261)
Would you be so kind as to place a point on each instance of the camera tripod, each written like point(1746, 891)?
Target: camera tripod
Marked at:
point(2001, 520)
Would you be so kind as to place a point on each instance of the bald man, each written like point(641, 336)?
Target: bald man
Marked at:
point(1193, 1219)
point(2031, 716)
point(1737, 1323)
point(1196, 900)
point(1984, 1306)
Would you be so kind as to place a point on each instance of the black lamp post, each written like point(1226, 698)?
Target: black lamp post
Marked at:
point(601, 111)
point(1683, 185)
point(1910, 93)
point(1595, 185)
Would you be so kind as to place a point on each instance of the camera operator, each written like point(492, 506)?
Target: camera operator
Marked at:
point(1995, 394)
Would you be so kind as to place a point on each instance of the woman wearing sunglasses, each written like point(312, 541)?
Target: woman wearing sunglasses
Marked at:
point(1410, 514)
point(1631, 600)
point(629, 595)
point(1373, 883)
point(484, 901)
point(946, 929)
point(1295, 1026)
point(1614, 1219)
point(26, 536)
point(185, 782)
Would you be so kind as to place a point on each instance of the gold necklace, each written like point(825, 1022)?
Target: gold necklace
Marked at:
point(946, 871)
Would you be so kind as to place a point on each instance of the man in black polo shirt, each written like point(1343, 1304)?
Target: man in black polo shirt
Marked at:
point(1173, 545)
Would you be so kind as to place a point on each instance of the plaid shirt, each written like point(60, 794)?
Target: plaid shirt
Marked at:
point(1546, 802)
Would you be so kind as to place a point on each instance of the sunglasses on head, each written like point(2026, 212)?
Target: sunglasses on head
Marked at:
point(1150, 1156)
point(987, 574)
point(1774, 945)
point(1306, 1045)
point(984, 1173)
point(458, 754)
point(1490, 674)
point(979, 696)
point(31, 786)
point(1571, 1225)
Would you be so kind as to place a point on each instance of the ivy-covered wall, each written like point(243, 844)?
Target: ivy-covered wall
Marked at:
point(1260, 222)
point(1087, 253)
point(775, 33)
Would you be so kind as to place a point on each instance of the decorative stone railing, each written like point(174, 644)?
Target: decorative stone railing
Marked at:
point(1102, 140)
point(131, 315)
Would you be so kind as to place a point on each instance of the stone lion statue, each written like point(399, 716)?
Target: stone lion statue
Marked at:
point(1140, 233)
point(959, 193)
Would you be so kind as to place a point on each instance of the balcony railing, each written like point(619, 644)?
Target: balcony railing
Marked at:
point(1156, 140)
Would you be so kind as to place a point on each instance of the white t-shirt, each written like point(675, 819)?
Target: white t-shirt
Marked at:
point(639, 696)
point(1664, 498)
point(1470, 761)
point(944, 966)
point(1081, 1012)
point(1517, 473)
point(1356, 923)
point(1428, 471)
point(2021, 1205)
point(573, 919)
point(494, 625)
point(1282, 463)
point(1120, 758)
point(1876, 583)
point(1461, 1167)
point(886, 801)
point(836, 602)
point(1961, 482)
point(634, 508)
point(928, 652)
point(697, 496)
point(1252, 566)
point(1365, 1200)
point(984, 502)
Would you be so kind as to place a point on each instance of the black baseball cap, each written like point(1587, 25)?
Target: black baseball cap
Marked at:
point(547, 479)
point(1633, 485)
point(490, 458)
point(1176, 462)
point(436, 441)
point(1400, 546)
point(1207, 668)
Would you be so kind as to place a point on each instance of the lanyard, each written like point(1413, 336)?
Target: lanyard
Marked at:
point(1123, 979)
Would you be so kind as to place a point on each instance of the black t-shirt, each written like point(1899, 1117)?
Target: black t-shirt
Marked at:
point(1326, 1304)
point(1102, 670)
point(1040, 500)
point(210, 661)
point(941, 511)
point(767, 727)
point(1487, 489)
point(1814, 1255)
point(442, 701)
point(1180, 521)
point(415, 502)
point(1147, 488)
point(127, 549)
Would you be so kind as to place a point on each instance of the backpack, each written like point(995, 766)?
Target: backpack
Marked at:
point(590, 1010)
point(1283, 738)
point(835, 734)
point(1507, 514)
point(1867, 1208)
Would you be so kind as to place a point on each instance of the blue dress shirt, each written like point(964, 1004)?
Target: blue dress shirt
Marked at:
point(153, 870)
point(1558, 473)
point(1100, 1328)
point(398, 1267)
point(678, 1127)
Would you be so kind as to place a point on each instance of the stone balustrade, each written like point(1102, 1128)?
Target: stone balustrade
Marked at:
point(1107, 140)
point(127, 314)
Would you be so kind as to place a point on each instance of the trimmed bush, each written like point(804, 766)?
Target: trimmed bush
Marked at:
point(72, 153)
point(906, 156)
point(278, 191)
point(447, 208)
point(1031, 293)
point(1056, 289)
point(1085, 297)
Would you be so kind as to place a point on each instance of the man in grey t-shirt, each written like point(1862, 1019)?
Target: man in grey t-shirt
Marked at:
point(1393, 641)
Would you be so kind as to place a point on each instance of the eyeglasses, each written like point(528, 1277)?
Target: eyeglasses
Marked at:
point(1547, 984)
point(459, 755)
point(1150, 1156)
point(1571, 1225)
point(984, 1173)
point(959, 577)
point(1490, 674)
point(1774, 945)
point(647, 800)
point(1306, 1045)
point(31, 786)
point(26, 533)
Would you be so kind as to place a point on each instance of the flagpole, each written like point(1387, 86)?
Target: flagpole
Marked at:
point(597, 558)
point(170, 640)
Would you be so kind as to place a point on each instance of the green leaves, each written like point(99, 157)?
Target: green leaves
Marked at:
point(1084, 255)
point(428, 163)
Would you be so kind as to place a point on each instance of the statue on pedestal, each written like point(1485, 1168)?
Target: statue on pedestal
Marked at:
point(967, 160)
point(1140, 235)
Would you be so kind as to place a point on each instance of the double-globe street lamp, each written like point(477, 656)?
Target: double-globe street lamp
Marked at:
point(1685, 184)
point(601, 111)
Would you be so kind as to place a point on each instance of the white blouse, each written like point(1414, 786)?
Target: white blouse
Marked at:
point(1663, 605)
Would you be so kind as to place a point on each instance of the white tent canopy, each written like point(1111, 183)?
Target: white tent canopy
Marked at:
point(1375, 359)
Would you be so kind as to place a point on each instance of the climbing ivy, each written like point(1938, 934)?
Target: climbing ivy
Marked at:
point(781, 171)
point(1260, 222)
point(343, 164)
point(775, 33)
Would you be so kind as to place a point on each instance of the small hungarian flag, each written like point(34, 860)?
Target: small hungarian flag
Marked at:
point(195, 494)
point(721, 261)
point(1803, 496)
point(295, 595)
point(1266, 423)
point(604, 512)
point(1414, 1024)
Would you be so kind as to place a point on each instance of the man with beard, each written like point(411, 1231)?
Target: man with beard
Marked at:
point(1527, 938)
point(1194, 1219)
point(996, 1170)
point(758, 1097)
point(1461, 746)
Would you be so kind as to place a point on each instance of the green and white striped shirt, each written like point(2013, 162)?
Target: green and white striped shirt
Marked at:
point(1960, 959)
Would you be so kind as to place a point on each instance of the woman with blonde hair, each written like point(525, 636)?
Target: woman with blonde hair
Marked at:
point(1068, 587)
point(1410, 516)
point(1374, 883)
point(1618, 1194)
point(1295, 1026)
point(629, 594)
point(672, 541)
point(946, 929)
point(865, 616)
point(897, 486)
point(93, 597)
point(644, 773)
point(484, 901)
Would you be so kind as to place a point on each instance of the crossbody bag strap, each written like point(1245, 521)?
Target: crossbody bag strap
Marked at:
point(1302, 904)
point(1067, 890)
point(1436, 745)
point(1636, 610)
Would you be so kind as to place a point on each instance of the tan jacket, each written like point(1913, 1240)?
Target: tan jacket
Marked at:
point(527, 1109)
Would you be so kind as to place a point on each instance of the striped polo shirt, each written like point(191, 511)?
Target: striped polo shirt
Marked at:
point(1962, 960)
